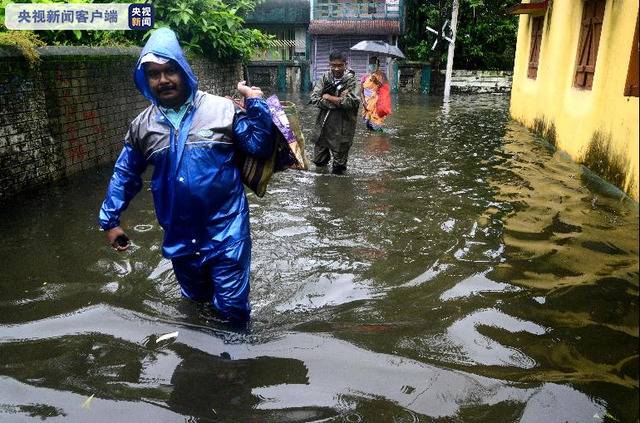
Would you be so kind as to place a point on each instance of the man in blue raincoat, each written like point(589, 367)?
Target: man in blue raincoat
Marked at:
point(191, 138)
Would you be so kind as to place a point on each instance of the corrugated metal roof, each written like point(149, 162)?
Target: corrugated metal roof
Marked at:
point(533, 8)
point(369, 27)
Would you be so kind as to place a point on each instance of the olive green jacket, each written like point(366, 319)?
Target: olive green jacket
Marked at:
point(336, 124)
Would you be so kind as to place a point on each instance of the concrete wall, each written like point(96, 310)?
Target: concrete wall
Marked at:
point(473, 82)
point(417, 77)
point(476, 82)
point(71, 113)
point(598, 127)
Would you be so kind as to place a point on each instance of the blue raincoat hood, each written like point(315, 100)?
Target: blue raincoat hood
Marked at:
point(163, 42)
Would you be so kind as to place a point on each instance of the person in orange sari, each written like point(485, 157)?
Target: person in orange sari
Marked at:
point(371, 86)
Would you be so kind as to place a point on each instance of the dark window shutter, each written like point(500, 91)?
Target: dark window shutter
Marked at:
point(536, 40)
point(592, 17)
point(631, 87)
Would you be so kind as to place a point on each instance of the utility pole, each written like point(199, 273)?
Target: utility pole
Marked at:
point(452, 46)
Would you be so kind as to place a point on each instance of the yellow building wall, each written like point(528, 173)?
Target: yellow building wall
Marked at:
point(578, 114)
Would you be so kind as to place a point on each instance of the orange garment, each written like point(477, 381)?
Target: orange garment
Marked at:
point(371, 85)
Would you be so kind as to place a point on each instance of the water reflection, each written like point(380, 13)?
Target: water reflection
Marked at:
point(211, 378)
point(476, 285)
point(376, 145)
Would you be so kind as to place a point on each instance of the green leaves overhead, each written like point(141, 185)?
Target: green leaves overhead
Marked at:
point(486, 36)
point(212, 28)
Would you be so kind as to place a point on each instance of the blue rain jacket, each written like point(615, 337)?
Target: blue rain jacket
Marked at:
point(197, 188)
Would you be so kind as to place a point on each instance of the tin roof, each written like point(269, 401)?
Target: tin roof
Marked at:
point(361, 27)
point(535, 8)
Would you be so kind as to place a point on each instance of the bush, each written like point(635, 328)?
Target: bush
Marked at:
point(23, 43)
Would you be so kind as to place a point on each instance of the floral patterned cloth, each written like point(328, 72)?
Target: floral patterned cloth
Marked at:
point(370, 88)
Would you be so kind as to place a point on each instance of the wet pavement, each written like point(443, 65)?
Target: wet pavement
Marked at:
point(461, 271)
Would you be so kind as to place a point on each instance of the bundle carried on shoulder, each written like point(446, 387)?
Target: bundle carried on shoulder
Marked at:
point(288, 151)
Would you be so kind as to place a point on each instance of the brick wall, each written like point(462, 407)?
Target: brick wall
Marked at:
point(216, 78)
point(71, 113)
point(27, 152)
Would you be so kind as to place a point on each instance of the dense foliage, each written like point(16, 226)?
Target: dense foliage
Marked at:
point(486, 36)
point(212, 28)
point(23, 43)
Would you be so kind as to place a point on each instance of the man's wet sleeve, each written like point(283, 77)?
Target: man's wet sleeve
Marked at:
point(351, 98)
point(252, 129)
point(125, 183)
point(316, 93)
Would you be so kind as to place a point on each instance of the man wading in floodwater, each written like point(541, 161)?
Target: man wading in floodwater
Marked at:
point(336, 94)
point(191, 139)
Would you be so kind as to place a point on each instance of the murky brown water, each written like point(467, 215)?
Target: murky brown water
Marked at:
point(461, 272)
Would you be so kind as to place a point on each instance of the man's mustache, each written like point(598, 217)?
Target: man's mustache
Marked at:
point(164, 88)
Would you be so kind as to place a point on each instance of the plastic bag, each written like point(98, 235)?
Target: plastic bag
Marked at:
point(288, 148)
point(383, 106)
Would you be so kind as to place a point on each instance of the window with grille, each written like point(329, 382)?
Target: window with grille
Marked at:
point(536, 41)
point(592, 18)
point(631, 87)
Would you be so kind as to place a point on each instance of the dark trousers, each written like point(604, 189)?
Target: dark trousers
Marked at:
point(219, 277)
point(325, 150)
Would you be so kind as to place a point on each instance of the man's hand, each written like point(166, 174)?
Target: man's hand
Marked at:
point(331, 99)
point(118, 240)
point(249, 92)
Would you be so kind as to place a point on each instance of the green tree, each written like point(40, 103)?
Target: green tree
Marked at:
point(486, 36)
point(211, 28)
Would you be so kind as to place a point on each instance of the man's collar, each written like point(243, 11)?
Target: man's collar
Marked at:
point(187, 102)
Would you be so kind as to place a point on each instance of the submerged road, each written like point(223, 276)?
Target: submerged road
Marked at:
point(461, 271)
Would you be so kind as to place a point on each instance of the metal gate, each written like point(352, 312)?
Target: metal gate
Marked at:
point(357, 60)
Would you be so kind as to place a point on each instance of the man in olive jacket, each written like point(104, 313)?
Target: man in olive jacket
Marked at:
point(336, 94)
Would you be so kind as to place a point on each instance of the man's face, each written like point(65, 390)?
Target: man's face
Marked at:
point(337, 68)
point(167, 83)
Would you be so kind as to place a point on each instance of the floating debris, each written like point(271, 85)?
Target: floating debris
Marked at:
point(142, 228)
point(167, 336)
point(606, 414)
point(87, 403)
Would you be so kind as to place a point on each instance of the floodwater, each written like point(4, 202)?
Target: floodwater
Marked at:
point(462, 271)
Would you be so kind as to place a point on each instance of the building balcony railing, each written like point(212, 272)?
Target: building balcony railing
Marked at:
point(352, 10)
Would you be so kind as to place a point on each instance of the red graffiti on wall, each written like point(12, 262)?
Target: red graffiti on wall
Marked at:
point(71, 128)
point(90, 116)
point(75, 117)
point(70, 110)
point(76, 151)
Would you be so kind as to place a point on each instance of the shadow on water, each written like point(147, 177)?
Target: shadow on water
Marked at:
point(462, 270)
